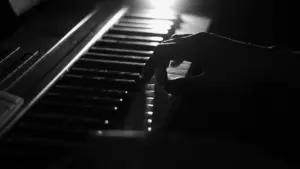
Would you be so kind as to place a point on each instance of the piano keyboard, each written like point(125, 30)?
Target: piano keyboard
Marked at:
point(94, 94)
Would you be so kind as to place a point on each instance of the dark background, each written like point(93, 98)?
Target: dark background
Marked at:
point(266, 22)
point(9, 20)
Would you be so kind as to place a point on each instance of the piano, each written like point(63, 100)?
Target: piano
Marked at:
point(75, 67)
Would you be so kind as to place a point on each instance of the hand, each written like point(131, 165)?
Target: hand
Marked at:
point(237, 81)
point(223, 61)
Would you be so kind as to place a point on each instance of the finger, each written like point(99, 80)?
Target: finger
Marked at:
point(179, 36)
point(160, 59)
point(176, 37)
point(188, 85)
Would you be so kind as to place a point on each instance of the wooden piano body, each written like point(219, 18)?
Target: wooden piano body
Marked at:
point(77, 66)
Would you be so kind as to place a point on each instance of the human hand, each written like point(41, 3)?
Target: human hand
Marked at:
point(222, 60)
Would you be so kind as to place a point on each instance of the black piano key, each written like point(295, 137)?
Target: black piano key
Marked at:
point(109, 50)
point(121, 44)
point(105, 73)
point(69, 121)
point(82, 99)
point(117, 57)
point(78, 117)
point(89, 91)
point(146, 21)
point(152, 14)
point(135, 31)
point(143, 26)
point(110, 65)
point(133, 38)
point(100, 82)
point(83, 109)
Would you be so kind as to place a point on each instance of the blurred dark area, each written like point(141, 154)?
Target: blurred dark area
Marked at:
point(38, 15)
point(9, 20)
point(262, 22)
point(265, 22)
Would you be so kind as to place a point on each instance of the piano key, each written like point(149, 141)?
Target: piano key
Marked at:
point(105, 73)
point(101, 82)
point(78, 116)
point(152, 14)
point(110, 65)
point(150, 93)
point(149, 100)
point(68, 122)
point(135, 38)
point(82, 99)
point(121, 44)
point(89, 91)
point(143, 26)
point(121, 51)
point(83, 109)
point(150, 86)
point(135, 31)
point(147, 21)
point(127, 58)
point(149, 16)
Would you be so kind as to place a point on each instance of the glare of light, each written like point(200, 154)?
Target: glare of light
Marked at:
point(149, 128)
point(162, 3)
point(164, 23)
point(99, 132)
point(106, 122)
point(150, 113)
point(149, 120)
point(150, 105)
